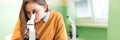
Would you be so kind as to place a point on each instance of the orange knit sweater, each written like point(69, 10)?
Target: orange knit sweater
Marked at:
point(53, 29)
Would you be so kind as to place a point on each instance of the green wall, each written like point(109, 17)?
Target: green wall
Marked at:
point(91, 33)
point(114, 20)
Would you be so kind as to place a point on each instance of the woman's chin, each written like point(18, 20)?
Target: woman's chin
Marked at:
point(36, 21)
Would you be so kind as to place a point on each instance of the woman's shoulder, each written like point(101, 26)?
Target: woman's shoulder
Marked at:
point(56, 14)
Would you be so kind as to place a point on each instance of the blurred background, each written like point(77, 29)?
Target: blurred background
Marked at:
point(90, 16)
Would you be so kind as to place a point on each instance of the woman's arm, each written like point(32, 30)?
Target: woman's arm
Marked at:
point(17, 34)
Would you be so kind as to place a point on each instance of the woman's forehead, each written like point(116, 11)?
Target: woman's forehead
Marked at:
point(30, 6)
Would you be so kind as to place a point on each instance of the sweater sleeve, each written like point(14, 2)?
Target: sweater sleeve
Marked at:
point(17, 34)
point(60, 30)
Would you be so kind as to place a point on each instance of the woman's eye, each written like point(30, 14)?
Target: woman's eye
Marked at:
point(28, 12)
point(33, 12)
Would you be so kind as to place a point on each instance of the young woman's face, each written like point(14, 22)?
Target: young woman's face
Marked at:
point(38, 9)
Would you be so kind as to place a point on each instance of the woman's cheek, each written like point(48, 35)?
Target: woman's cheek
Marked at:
point(37, 18)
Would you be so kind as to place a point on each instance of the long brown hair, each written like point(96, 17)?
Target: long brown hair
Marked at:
point(23, 16)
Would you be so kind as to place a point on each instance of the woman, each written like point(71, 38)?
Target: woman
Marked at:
point(49, 25)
